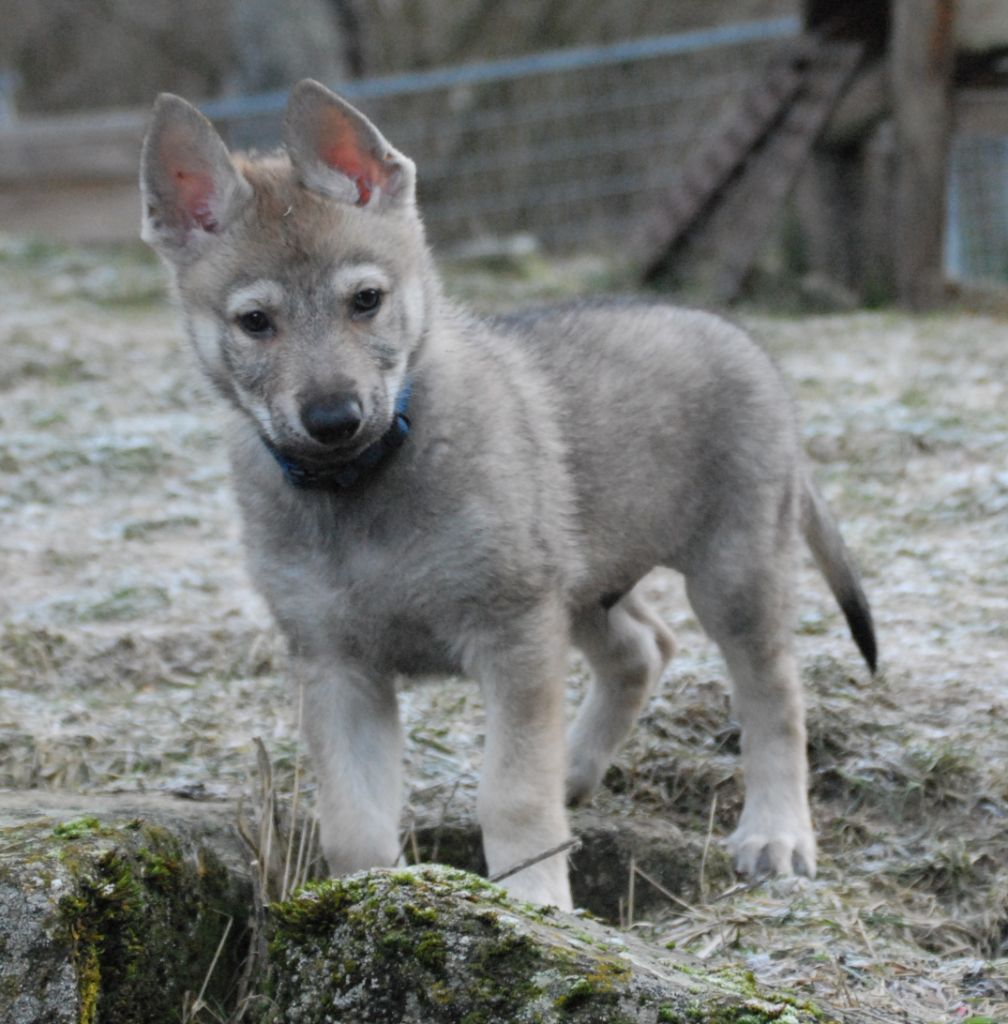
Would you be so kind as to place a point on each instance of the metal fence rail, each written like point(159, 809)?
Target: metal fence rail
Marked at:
point(573, 146)
point(577, 147)
point(570, 59)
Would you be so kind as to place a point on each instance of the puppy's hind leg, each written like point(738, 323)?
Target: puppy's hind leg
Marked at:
point(744, 603)
point(627, 647)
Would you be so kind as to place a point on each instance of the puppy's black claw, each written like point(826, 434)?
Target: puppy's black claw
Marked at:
point(764, 866)
point(799, 865)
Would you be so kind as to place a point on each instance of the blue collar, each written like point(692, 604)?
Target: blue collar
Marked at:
point(346, 474)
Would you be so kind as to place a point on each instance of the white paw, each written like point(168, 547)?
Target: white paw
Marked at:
point(583, 778)
point(788, 849)
point(545, 890)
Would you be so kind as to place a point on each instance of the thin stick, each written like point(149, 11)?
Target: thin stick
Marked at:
point(312, 847)
point(436, 848)
point(407, 835)
point(297, 792)
point(631, 892)
point(302, 843)
point(198, 1005)
point(848, 995)
point(243, 829)
point(256, 956)
point(706, 847)
point(736, 889)
point(864, 936)
point(571, 844)
point(661, 888)
point(714, 944)
point(266, 851)
point(265, 840)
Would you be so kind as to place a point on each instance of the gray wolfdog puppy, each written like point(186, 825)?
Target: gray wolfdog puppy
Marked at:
point(425, 492)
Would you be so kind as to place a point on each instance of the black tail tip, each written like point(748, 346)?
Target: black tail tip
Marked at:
point(859, 620)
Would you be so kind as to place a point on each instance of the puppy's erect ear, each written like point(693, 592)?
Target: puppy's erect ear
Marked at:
point(190, 188)
point(337, 151)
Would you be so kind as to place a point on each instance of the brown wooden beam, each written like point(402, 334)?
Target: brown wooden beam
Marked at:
point(921, 58)
point(981, 111)
point(862, 21)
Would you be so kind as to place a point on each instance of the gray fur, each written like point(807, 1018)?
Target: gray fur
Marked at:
point(553, 460)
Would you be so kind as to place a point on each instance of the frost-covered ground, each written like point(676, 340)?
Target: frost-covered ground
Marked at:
point(133, 654)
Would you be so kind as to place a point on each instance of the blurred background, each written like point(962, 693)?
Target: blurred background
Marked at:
point(855, 150)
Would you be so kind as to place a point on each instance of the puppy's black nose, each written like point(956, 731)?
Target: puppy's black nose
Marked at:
point(332, 418)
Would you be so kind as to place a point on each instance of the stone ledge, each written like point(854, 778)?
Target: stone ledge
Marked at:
point(433, 945)
point(112, 908)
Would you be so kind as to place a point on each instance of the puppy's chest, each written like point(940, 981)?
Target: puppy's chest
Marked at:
point(375, 599)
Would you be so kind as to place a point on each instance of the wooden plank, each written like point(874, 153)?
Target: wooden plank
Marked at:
point(981, 112)
point(863, 105)
point(82, 148)
point(714, 251)
point(72, 212)
point(921, 58)
point(776, 167)
point(711, 167)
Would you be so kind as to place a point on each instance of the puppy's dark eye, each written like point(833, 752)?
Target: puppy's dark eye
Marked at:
point(255, 321)
point(367, 300)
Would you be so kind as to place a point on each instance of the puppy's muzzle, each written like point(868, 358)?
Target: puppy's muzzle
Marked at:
point(332, 419)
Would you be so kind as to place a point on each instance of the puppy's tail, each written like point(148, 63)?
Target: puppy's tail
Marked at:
point(835, 563)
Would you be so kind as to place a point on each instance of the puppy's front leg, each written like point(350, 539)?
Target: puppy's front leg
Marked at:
point(353, 731)
point(521, 795)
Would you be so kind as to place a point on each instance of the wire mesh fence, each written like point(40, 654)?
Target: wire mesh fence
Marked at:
point(579, 148)
point(976, 237)
point(574, 147)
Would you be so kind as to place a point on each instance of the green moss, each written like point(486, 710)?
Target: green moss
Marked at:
point(743, 1002)
point(384, 934)
point(420, 915)
point(318, 906)
point(77, 828)
point(125, 604)
point(442, 946)
point(431, 952)
point(598, 986)
point(144, 923)
point(580, 992)
point(143, 529)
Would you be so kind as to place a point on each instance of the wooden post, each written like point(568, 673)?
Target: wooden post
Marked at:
point(922, 46)
point(834, 199)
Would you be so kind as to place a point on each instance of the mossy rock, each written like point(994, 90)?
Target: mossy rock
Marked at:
point(113, 918)
point(440, 946)
point(601, 866)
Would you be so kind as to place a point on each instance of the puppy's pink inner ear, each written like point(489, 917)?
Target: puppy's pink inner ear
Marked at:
point(194, 191)
point(341, 150)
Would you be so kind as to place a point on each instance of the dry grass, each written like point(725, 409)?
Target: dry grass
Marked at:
point(134, 656)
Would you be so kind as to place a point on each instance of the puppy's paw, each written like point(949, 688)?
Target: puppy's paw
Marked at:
point(540, 892)
point(759, 853)
point(583, 778)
